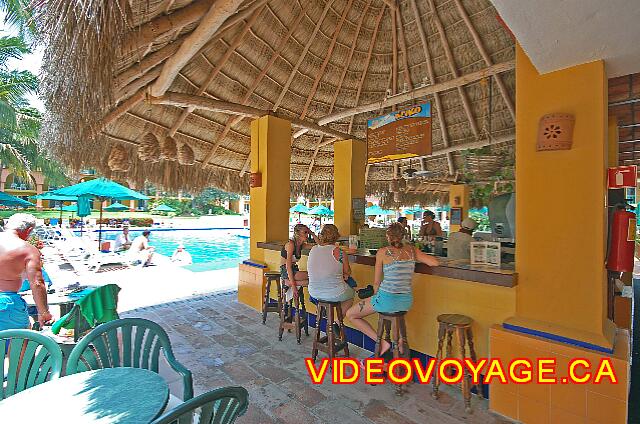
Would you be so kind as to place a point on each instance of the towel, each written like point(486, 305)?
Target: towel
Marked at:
point(96, 307)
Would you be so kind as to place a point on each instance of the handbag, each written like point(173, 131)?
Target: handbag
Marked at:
point(365, 292)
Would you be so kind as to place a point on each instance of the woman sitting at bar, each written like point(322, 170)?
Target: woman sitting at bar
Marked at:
point(328, 269)
point(395, 265)
point(291, 253)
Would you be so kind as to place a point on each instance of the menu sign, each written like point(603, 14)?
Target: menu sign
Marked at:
point(400, 135)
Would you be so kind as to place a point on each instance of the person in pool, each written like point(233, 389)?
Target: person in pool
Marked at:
point(291, 253)
point(181, 256)
point(395, 265)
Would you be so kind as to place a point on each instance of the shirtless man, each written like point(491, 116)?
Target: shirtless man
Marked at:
point(140, 249)
point(19, 260)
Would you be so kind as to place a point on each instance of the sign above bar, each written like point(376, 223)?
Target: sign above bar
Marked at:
point(400, 135)
point(622, 176)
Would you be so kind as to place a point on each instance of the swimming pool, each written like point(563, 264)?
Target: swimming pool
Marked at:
point(219, 249)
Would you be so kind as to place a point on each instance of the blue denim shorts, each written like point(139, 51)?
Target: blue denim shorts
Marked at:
point(386, 302)
point(13, 311)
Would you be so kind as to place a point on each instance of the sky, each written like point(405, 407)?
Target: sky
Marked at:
point(30, 62)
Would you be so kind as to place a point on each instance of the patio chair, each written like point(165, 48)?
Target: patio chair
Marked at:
point(220, 406)
point(127, 342)
point(32, 358)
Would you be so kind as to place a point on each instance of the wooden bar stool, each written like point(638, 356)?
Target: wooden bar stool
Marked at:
point(387, 325)
point(448, 324)
point(293, 314)
point(267, 306)
point(330, 344)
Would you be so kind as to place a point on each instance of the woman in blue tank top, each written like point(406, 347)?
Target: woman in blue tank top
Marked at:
point(395, 265)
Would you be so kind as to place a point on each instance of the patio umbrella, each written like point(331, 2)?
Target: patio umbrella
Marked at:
point(163, 208)
point(116, 207)
point(101, 189)
point(57, 197)
point(377, 210)
point(320, 211)
point(299, 209)
point(9, 200)
point(70, 208)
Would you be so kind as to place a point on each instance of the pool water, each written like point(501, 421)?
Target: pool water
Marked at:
point(218, 249)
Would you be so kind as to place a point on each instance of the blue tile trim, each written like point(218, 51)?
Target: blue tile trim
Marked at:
point(556, 338)
point(253, 264)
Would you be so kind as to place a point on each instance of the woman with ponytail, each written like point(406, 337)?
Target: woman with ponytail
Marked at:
point(395, 265)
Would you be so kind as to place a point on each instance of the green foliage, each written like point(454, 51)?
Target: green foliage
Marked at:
point(482, 219)
point(134, 222)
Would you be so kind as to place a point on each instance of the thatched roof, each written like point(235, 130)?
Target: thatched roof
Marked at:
point(302, 60)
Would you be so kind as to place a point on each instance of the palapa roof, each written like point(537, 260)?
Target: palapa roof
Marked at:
point(116, 70)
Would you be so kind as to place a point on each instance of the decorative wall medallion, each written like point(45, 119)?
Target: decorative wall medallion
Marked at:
point(555, 132)
point(256, 180)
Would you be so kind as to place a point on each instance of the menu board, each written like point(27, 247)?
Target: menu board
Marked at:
point(485, 253)
point(400, 135)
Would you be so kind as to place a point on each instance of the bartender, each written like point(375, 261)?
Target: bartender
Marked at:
point(429, 227)
point(458, 244)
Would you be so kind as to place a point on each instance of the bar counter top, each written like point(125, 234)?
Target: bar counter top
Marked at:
point(461, 269)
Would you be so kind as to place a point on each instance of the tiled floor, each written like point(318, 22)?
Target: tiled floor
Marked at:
point(224, 343)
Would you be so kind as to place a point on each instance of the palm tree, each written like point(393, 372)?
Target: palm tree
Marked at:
point(18, 15)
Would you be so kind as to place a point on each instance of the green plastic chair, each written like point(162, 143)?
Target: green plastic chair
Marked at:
point(33, 358)
point(220, 406)
point(127, 342)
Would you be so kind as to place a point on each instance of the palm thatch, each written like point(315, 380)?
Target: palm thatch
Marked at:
point(300, 60)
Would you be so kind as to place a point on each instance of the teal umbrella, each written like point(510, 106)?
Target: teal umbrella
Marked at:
point(56, 197)
point(101, 189)
point(116, 207)
point(70, 208)
point(321, 211)
point(163, 208)
point(377, 210)
point(299, 209)
point(9, 200)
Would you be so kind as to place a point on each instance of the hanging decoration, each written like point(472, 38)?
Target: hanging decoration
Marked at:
point(118, 159)
point(168, 149)
point(186, 155)
point(149, 148)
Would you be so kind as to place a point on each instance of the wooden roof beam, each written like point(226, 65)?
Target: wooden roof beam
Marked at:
point(421, 92)
point(486, 57)
point(209, 24)
point(405, 54)
point(146, 33)
point(454, 70)
point(200, 102)
point(432, 79)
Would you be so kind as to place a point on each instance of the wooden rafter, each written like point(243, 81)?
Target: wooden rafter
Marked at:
point(311, 39)
point(200, 102)
point(454, 70)
point(149, 62)
point(486, 57)
point(209, 24)
point(138, 84)
point(405, 53)
point(337, 91)
point(231, 121)
point(167, 5)
point(432, 79)
point(146, 33)
point(119, 111)
point(212, 75)
point(421, 92)
point(394, 52)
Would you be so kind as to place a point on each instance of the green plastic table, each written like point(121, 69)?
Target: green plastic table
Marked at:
point(111, 395)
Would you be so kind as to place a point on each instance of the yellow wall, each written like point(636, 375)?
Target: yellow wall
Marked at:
point(461, 192)
point(560, 210)
point(613, 141)
point(270, 155)
point(349, 167)
point(487, 305)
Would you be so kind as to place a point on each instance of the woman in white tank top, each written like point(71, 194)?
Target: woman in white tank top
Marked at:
point(328, 268)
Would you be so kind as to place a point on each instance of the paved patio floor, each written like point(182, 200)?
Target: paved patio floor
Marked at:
point(224, 343)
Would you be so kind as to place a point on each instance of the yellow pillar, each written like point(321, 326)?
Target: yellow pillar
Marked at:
point(349, 165)
point(613, 142)
point(271, 156)
point(561, 291)
point(459, 197)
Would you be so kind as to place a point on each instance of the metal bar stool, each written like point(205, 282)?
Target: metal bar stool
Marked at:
point(392, 327)
point(293, 314)
point(331, 344)
point(448, 324)
point(267, 306)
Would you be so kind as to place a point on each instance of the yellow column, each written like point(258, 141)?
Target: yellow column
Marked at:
point(613, 142)
point(349, 165)
point(459, 197)
point(271, 156)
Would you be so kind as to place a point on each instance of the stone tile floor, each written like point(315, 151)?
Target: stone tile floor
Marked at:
point(225, 343)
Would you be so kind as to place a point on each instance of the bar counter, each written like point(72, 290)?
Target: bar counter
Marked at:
point(504, 276)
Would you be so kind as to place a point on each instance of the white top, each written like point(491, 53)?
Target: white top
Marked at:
point(139, 244)
point(458, 246)
point(325, 273)
point(183, 257)
point(121, 240)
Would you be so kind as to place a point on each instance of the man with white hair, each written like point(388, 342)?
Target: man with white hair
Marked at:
point(459, 244)
point(20, 260)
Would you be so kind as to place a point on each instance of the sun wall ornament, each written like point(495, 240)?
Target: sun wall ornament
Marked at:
point(555, 132)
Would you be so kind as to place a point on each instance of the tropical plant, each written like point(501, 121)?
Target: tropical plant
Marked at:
point(18, 15)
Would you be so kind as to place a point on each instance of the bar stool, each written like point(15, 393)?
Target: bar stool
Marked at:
point(448, 324)
point(293, 314)
point(387, 322)
point(328, 344)
point(267, 306)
